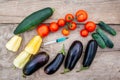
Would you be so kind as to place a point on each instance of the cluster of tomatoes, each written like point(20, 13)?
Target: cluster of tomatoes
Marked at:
point(68, 24)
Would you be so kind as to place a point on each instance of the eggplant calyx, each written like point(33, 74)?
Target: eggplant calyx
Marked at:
point(65, 71)
point(63, 50)
point(82, 68)
point(23, 75)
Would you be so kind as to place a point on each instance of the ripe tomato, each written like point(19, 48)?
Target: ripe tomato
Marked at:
point(72, 25)
point(81, 15)
point(61, 22)
point(84, 33)
point(53, 27)
point(65, 32)
point(69, 17)
point(90, 26)
point(43, 30)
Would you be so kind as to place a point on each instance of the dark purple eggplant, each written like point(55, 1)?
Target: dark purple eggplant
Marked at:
point(74, 54)
point(55, 64)
point(35, 63)
point(90, 53)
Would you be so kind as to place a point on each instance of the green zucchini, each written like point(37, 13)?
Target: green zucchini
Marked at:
point(99, 40)
point(107, 41)
point(107, 28)
point(33, 20)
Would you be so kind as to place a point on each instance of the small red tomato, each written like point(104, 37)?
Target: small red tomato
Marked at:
point(90, 26)
point(72, 25)
point(65, 32)
point(81, 15)
point(53, 27)
point(84, 33)
point(61, 22)
point(69, 17)
point(43, 30)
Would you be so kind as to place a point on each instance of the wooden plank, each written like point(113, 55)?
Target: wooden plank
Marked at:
point(14, 11)
point(106, 66)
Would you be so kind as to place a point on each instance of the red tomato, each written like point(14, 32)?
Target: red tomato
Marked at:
point(61, 22)
point(90, 26)
point(69, 17)
point(81, 15)
point(84, 33)
point(65, 32)
point(72, 25)
point(43, 30)
point(53, 27)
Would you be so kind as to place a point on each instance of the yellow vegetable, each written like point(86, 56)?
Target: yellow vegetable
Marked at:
point(21, 59)
point(34, 45)
point(30, 50)
point(14, 43)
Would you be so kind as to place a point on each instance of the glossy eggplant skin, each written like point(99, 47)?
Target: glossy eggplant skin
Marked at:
point(35, 63)
point(90, 53)
point(73, 55)
point(55, 64)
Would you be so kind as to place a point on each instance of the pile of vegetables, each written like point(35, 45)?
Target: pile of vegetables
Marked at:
point(30, 59)
point(69, 24)
point(71, 58)
point(101, 38)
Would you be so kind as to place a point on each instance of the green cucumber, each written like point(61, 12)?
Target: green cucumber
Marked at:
point(33, 20)
point(107, 41)
point(99, 40)
point(107, 28)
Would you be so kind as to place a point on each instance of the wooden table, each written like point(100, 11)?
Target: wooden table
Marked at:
point(106, 65)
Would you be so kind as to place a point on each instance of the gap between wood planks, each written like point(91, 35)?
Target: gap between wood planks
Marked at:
point(15, 11)
point(49, 23)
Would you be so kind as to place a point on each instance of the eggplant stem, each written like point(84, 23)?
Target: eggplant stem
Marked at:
point(63, 50)
point(82, 68)
point(24, 76)
point(65, 71)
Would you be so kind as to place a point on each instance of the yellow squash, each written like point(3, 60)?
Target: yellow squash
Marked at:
point(34, 45)
point(14, 43)
point(30, 50)
point(21, 59)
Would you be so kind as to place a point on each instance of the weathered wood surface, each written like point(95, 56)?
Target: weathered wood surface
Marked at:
point(106, 65)
point(13, 11)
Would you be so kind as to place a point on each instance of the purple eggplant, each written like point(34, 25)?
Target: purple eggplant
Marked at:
point(74, 54)
point(55, 64)
point(35, 63)
point(90, 53)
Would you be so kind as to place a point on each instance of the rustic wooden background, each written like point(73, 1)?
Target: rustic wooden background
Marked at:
point(106, 65)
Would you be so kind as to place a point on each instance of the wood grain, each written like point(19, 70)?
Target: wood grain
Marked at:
point(14, 11)
point(106, 65)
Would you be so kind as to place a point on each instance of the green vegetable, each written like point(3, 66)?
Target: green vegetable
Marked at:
point(99, 40)
point(107, 41)
point(107, 28)
point(33, 20)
